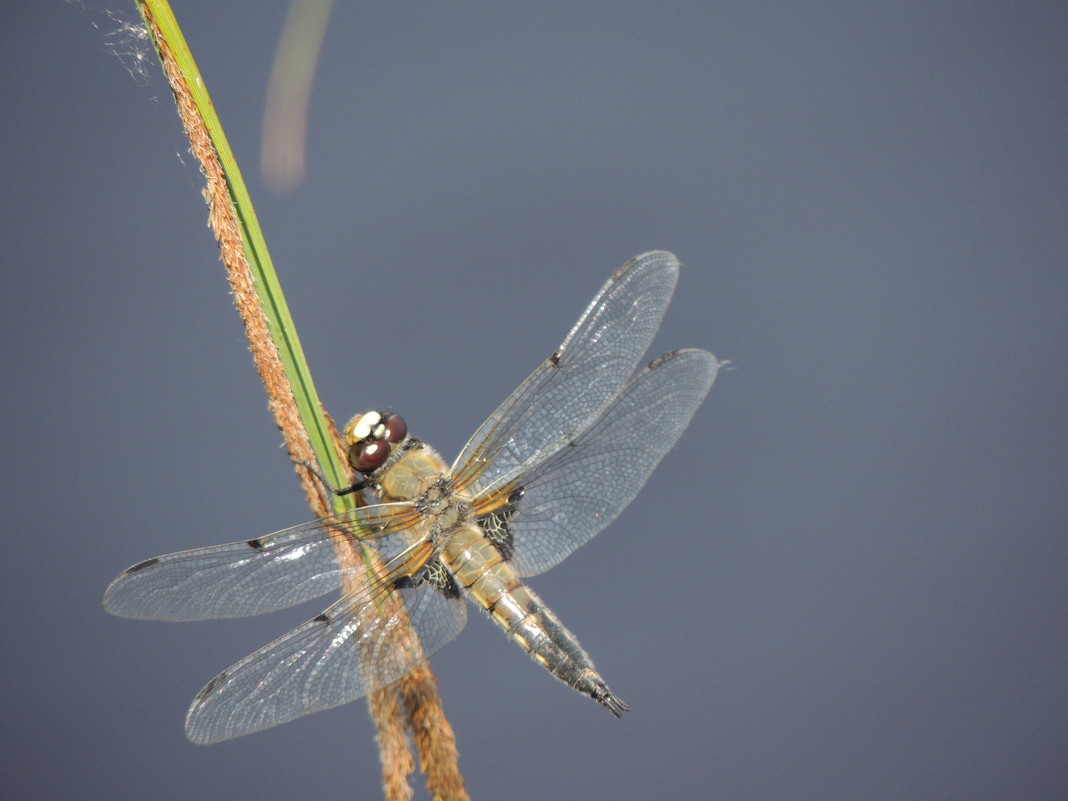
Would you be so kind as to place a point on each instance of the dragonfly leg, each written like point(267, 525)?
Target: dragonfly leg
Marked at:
point(363, 483)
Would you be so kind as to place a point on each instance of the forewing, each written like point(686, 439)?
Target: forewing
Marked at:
point(542, 517)
point(360, 644)
point(252, 577)
point(579, 379)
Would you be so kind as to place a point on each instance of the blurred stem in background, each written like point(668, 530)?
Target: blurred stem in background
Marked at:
point(285, 116)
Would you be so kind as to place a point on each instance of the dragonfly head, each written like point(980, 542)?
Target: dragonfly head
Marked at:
point(370, 437)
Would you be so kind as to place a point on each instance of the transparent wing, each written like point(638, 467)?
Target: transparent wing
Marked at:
point(540, 518)
point(579, 379)
point(251, 577)
point(358, 645)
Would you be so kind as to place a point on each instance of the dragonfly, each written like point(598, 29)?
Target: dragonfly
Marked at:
point(549, 469)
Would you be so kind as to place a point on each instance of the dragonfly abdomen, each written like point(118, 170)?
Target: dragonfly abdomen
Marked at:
point(478, 567)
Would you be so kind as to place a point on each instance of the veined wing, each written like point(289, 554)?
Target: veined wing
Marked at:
point(564, 501)
point(358, 645)
point(252, 577)
point(579, 379)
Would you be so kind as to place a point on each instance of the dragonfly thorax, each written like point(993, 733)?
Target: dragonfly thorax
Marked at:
point(416, 472)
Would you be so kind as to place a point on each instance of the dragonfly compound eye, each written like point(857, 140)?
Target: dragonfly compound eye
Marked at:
point(396, 427)
point(366, 457)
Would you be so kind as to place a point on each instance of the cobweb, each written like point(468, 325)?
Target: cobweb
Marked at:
point(125, 38)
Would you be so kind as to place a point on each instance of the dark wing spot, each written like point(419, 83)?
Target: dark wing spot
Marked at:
point(211, 686)
point(495, 525)
point(623, 270)
point(323, 618)
point(256, 544)
point(663, 359)
point(441, 579)
point(407, 582)
point(142, 565)
point(554, 360)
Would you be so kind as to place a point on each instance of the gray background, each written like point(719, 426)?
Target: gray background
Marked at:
point(848, 581)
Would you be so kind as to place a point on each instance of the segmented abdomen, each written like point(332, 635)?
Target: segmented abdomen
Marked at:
point(479, 568)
